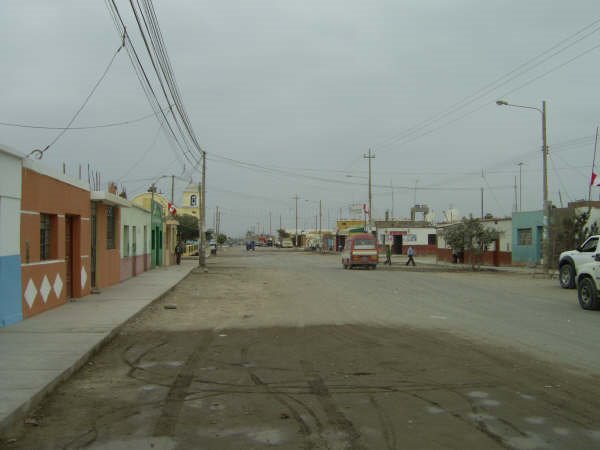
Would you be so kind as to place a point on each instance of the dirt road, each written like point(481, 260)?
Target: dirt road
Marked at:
point(269, 350)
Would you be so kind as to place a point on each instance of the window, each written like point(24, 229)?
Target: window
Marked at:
point(110, 228)
point(126, 241)
point(432, 239)
point(524, 236)
point(193, 200)
point(590, 245)
point(45, 236)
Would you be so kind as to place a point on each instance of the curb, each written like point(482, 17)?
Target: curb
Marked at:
point(21, 412)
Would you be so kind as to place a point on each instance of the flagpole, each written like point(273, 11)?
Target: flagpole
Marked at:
point(593, 170)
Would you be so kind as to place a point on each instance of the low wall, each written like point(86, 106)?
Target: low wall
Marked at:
point(489, 258)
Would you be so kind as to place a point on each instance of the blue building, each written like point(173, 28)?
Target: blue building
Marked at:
point(10, 226)
point(527, 233)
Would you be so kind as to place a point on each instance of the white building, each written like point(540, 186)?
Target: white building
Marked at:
point(10, 225)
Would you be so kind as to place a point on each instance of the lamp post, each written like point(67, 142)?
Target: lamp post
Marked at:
point(546, 204)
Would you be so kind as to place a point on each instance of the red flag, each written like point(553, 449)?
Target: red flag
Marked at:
point(172, 208)
point(595, 181)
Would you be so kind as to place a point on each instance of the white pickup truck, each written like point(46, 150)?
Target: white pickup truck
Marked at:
point(569, 262)
point(587, 284)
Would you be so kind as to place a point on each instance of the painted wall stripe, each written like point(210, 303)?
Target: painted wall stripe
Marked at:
point(39, 263)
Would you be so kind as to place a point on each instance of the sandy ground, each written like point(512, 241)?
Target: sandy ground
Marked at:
point(254, 355)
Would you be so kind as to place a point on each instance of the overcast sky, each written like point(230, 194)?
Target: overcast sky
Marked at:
point(306, 88)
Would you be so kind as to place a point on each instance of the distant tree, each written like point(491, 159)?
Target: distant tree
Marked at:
point(568, 230)
point(221, 239)
point(282, 233)
point(188, 227)
point(470, 235)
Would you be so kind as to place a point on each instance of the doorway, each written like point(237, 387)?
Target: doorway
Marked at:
point(134, 249)
point(397, 244)
point(69, 256)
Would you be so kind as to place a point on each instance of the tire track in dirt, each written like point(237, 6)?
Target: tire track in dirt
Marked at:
point(175, 399)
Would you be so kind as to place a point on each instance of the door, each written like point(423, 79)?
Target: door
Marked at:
point(397, 244)
point(145, 247)
point(93, 252)
point(69, 256)
point(134, 249)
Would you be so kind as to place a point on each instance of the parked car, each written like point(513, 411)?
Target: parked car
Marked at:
point(587, 284)
point(360, 250)
point(570, 261)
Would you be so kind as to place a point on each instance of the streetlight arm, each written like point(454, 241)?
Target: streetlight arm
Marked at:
point(505, 103)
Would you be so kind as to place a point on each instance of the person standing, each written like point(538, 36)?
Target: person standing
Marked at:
point(411, 254)
point(179, 249)
point(388, 255)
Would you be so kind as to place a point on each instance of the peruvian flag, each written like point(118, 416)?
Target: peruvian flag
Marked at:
point(595, 181)
point(172, 208)
point(365, 208)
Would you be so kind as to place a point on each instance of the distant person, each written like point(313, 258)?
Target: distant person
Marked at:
point(179, 249)
point(411, 256)
point(388, 255)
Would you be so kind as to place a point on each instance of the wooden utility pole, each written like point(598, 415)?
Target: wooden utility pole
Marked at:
point(369, 156)
point(296, 235)
point(202, 215)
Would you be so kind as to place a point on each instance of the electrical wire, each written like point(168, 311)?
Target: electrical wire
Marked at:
point(40, 153)
point(89, 127)
point(520, 70)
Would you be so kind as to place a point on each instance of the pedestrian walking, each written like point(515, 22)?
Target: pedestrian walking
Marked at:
point(179, 249)
point(411, 254)
point(388, 255)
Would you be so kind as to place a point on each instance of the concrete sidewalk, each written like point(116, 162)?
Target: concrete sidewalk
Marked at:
point(39, 353)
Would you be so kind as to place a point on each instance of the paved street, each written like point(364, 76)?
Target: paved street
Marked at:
point(285, 349)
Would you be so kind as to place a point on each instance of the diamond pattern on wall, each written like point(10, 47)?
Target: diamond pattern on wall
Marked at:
point(58, 285)
point(30, 293)
point(45, 289)
point(83, 277)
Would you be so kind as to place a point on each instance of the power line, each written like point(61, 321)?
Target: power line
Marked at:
point(40, 153)
point(416, 131)
point(89, 127)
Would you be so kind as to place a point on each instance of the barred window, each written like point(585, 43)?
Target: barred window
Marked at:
point(110, 228)
point(45, 236)
point(524, 236)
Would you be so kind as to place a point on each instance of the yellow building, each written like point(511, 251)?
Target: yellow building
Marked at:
point(190, 204)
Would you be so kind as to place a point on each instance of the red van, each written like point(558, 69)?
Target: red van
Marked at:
point(360, 250)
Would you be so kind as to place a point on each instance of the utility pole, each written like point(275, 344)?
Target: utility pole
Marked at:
point(520, 186)
point(202, 214)
point(270, 227)
point(516, 204)
point(296, 235)
point(546, 212)
point(320, 225)
point(217, 222)
point(172, 189)
point(392, 188)
point(370, 156)
point(482, 203)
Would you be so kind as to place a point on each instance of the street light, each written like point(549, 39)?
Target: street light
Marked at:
point(546, 205)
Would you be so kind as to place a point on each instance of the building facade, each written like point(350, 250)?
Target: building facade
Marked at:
point(527, 234)
point(55, 238)
point(401, 234)
point(135, 241)
point(190, 204)
point(498, 253)
point(11, 310)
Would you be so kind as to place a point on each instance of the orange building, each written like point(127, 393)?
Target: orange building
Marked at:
point(106, 238)
point(55, 238)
